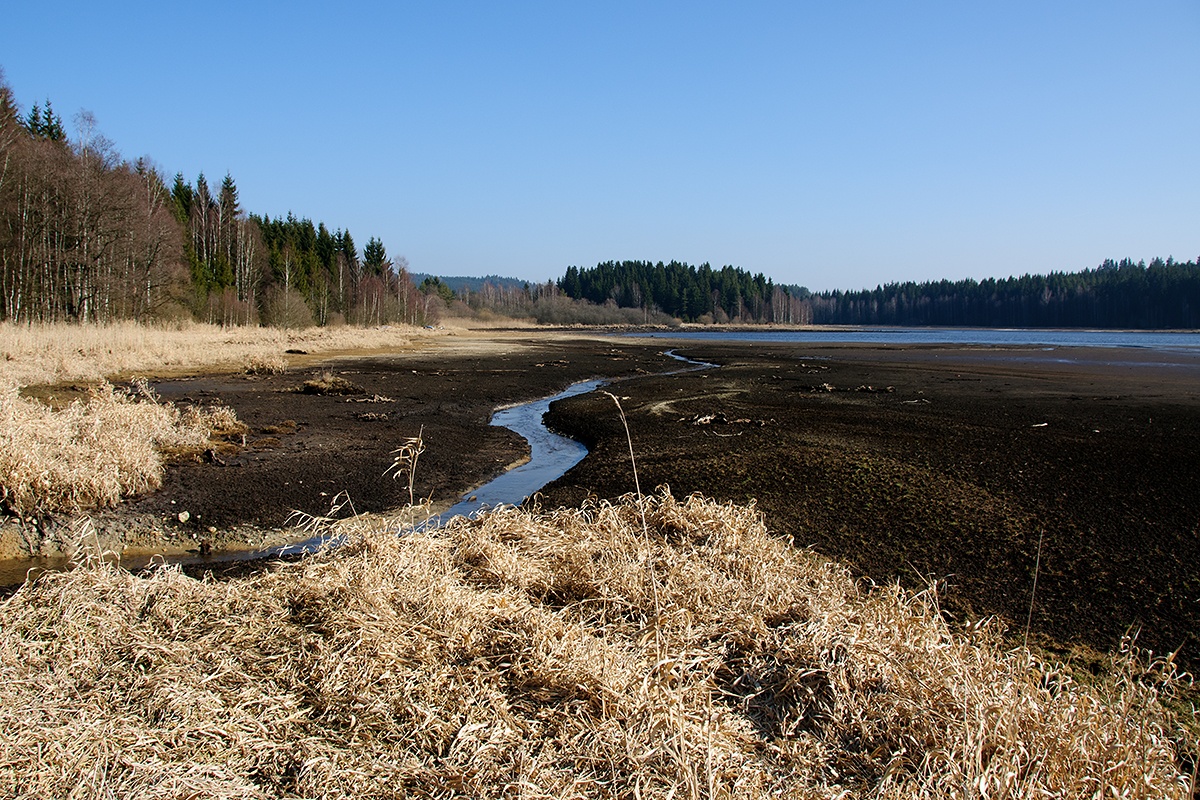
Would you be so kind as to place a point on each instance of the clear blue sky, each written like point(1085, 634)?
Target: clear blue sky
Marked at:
point(830, 144)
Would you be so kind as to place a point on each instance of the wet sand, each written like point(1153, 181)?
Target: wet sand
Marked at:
point(920, 463)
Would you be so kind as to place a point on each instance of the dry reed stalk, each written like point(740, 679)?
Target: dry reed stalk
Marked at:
point(513, 655)
point(53, 353)
point(404, 463)
point(92, 453)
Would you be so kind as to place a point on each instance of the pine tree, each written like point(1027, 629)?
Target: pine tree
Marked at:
point(53, 126)
point(181, 194)
point(33, 121)
point(375, 258)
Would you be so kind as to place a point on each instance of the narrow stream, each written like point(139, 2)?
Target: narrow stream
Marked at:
point(550, 456)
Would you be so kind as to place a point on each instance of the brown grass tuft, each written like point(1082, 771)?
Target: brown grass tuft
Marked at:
point(94, 453)
point(325, 382)
point(53, 353)
point(259, 364)
point(521, 654)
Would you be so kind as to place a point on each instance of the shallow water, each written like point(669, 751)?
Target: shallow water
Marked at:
point(550, 456)
point(1188, 341)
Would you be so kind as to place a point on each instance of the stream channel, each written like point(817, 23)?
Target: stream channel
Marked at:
point(550, 456)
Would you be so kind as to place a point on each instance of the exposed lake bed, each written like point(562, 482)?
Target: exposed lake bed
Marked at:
point(924, 462)
point(946, 463)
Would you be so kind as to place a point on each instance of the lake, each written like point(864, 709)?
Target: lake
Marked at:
point(1186, 341)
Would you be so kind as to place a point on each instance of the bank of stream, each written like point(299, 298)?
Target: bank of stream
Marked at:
point(551, 455)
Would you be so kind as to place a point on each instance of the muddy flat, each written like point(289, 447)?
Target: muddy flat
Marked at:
point(925, 463)
point(945, 464)
point(333, 428)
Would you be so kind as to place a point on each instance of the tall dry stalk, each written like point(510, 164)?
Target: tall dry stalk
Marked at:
point(641, 505)
point(404, 462)
point(1037, 568)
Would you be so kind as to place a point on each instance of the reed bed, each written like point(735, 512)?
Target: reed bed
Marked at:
point(53, 353)
point(573, 653)
point(93, 453)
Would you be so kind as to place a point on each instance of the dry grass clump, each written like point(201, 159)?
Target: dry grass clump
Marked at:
point(326, 383)
point(259, 364)
point(94, 453)
point(565, 654)
point(53, 353)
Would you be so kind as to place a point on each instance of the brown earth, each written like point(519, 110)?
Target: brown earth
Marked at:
point(943, 463)
point(334, 428)
point(923, 463)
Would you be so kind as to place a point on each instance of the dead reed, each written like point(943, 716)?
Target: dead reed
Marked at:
point(521, 655)
point(52, 353)
point(94, 453)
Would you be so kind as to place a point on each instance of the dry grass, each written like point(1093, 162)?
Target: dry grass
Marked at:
point(94, 453)
point(47, 354)
point(521, 655)
point(258, 364)
point(326, 383)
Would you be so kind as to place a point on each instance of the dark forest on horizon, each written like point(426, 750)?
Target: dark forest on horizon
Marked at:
point(87, 236)
point(1116, 294)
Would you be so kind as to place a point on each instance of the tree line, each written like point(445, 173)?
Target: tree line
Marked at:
point(87, 236)
point(1116, 294)
point(683, 291)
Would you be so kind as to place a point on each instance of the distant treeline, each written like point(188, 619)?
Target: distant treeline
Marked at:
point(1117, 294)
point(683, 291)
point(1124, 294)
point(86, 236)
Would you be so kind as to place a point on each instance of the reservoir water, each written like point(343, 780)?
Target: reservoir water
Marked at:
point(1185, 341)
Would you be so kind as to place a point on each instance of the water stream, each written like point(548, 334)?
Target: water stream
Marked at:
point(550, 456)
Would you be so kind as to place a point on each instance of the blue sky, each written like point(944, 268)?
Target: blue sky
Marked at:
point(834, 145)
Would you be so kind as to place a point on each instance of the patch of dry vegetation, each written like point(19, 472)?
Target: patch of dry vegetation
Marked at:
point(47, 354)
point(564, 654)
point(94, 453)
point(326, 383)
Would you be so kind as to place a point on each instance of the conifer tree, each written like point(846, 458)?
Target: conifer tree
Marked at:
point(375, 259)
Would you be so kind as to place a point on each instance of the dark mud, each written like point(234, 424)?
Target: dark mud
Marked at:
point(920, 463)
point(946, 464)
point(305, 448)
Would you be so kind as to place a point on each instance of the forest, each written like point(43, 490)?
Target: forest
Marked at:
point(87, 236)
point(1116, 294)
point(686, 292)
